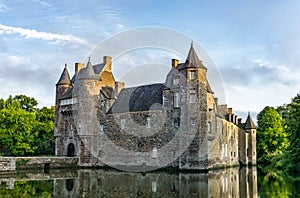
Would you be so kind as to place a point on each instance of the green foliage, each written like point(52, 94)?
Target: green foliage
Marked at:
point(272, 184)
point(17, 136)
point(21, 162)
point(278, 140)
point(25, 129)
point(271, 137)
point(45, 142)
point(291, 114)
point(29, 189)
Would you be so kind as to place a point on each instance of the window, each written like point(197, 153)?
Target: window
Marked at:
point(71, 134)
point(226, 150)
point(123, 122)
point(193, 98)
point(193, 75)
point(222, 150)
point(175, 81)
point(154, 152)
point(193, 121)
point(68, 101)
point(209, 127)
point(148, 123)
point(176, 100)
point(101, 127)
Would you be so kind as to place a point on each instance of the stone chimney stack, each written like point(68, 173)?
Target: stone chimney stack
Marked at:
point(239, 120)
point(175, 62)
point(217, 101)
point(107, 60)
point(78, 67)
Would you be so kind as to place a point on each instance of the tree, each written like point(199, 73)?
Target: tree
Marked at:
point(44, 142)
point(292, 119)
point(271, 137)
point(17, 136)
point(27, 103)
point(25, 129)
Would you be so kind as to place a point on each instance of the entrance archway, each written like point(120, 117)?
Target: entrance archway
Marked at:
point(71, 150)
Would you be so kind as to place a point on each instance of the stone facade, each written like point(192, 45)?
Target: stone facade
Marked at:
point(178, 123)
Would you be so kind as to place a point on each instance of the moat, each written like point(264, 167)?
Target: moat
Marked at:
point(232, 182)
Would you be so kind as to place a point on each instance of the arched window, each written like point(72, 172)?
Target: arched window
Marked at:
point(71, 150)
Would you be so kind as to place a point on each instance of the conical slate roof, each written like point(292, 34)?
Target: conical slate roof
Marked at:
point(249, 124)
point(87, 72)
point(193, 60)
point(64, 78)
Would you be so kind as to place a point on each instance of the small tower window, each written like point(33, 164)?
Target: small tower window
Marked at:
point(176, 100)
point(123, 122)
point(193, 98)
point(101, 127)
point(154, 152)
point(148, 123)
point(193, 121)
point(193, 75)
point(175, 81)
point(209, 127)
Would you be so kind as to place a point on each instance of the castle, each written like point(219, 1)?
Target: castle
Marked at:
point(178, 123)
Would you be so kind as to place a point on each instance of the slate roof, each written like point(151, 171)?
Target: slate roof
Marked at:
point(249, 124)
point(108, 92)
point(142, 98)
point(98, 68)
point(64, 78)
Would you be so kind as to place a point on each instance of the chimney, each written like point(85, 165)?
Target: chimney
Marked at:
point(239, 120)
point(78, 67)
point(107, 60)
point(217, 101)
point(118, 87)
point(174, 62)
point(235, 119)
point(229, 110)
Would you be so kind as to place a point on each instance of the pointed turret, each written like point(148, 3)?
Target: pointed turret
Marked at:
point(193, 60)
point(65, 77)
point(88, 71)
point(249, 124)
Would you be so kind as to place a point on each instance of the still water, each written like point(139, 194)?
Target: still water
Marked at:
point(233, 182)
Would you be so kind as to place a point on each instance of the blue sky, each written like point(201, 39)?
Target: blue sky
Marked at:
point(255, 44)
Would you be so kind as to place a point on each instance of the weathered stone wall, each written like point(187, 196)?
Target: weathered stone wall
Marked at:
point(20, 163)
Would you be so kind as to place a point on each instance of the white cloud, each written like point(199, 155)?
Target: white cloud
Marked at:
point(34, 34)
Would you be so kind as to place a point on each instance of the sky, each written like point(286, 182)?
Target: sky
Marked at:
point(253, 44)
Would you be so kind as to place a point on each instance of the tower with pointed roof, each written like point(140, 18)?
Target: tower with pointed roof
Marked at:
point(250, 129)
point(189, 86)
point(63, 87)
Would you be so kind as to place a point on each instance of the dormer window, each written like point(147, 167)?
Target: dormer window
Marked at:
point(193, 75)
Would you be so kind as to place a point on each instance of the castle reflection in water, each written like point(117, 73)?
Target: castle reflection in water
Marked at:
point(233, 182)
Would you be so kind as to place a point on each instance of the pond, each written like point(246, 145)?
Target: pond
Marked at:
point(233, 182)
